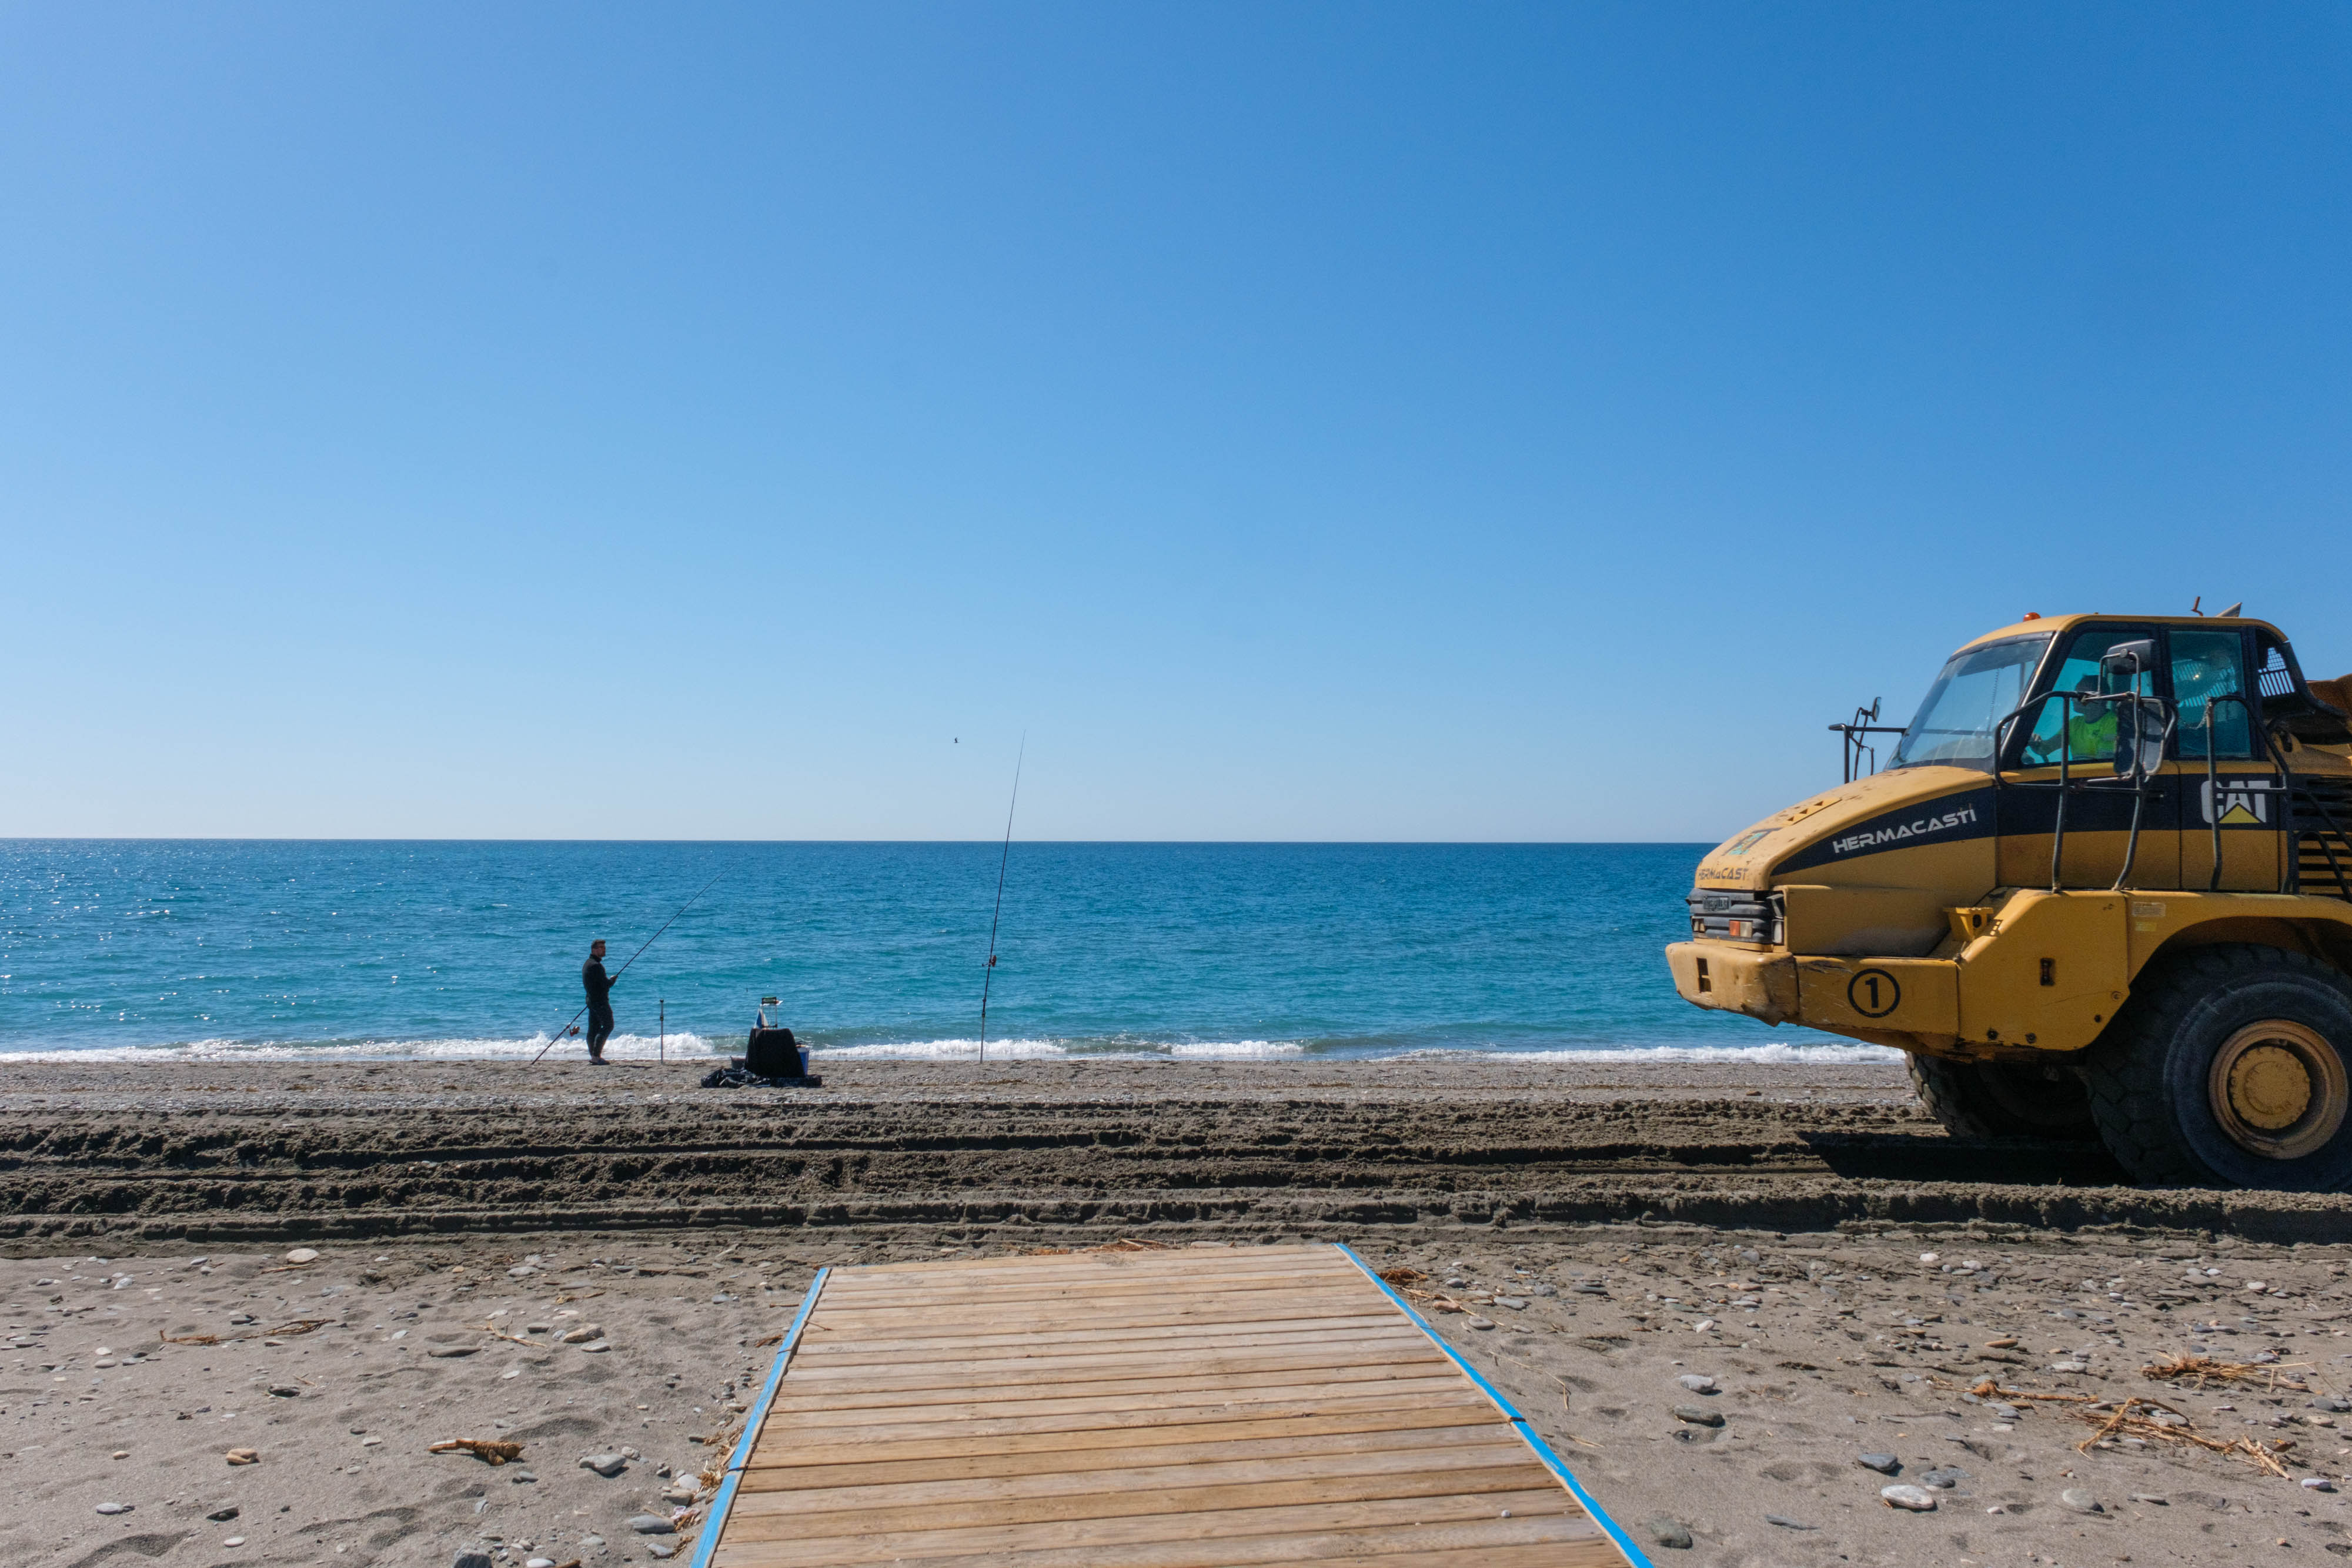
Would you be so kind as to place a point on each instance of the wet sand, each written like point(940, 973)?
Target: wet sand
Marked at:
point(1617, 1226)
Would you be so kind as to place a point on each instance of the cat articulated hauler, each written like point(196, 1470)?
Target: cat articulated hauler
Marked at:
point(2101, 889)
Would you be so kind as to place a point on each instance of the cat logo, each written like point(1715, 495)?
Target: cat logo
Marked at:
point(2242, 802)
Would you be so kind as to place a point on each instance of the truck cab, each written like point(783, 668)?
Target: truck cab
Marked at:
point(2085, 810)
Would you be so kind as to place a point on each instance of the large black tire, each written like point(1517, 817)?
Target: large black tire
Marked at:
point(2173, 1113)
point(1999, 1100)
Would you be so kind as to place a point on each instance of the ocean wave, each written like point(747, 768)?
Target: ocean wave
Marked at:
point(1238, 1050)
point(1773, 1050)
point(621, 1047)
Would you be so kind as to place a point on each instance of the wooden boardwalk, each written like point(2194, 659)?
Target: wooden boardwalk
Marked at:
point(1149, 1409)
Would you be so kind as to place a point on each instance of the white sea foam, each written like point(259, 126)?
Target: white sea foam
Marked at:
point(1774, 1050)
point(942, 1050)
point(1238, 1049)
point(621, 1047)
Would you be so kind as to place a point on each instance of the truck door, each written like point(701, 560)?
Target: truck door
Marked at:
point(2209, 689)
point(2098, 808)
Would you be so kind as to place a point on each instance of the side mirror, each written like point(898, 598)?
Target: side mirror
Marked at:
point(2121, 667)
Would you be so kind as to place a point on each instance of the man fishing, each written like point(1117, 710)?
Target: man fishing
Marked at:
point(600, 1001)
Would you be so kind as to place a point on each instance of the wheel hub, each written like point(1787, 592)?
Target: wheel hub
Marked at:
point(2278, 1088)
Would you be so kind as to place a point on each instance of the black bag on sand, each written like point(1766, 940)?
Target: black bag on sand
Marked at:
point(774, 1053)
point(735, 1075)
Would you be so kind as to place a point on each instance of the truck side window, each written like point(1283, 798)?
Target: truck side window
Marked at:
point(2083, 734)
point(2207, 664)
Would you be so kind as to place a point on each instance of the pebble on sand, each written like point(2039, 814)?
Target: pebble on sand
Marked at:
point(1884, 1464)
point(474, 1560)
point(1695, 1383)
point(303, 1255)
point(1669, 1532)
point(243, 1457)
point(114, 1508)
point(2080, 1500)
point(1918, 1500)
point(234, 1540)
point(605, 1464)
point(583, 1333)
point(602, 1346)
point(1698, 1416)
point(1478, 1323)
point(651, 1524)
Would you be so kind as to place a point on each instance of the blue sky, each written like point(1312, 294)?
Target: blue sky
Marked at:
point(1304, 422)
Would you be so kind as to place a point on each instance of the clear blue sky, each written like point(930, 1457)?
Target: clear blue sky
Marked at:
point(1306, 421)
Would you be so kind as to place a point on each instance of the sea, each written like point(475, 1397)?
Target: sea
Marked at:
point(224, 949)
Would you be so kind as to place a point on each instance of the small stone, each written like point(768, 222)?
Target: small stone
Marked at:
point(651, 1524)
point(538, 1328)
point(2080, 1500)
point(450, 1351)
point(234, 1540)
point(2318, 1483)
point(285, 1391)
point(1884, 1464)
point(122, 1453)
point(222, 1515)
point(2159, 1499)
point(303, 1255)
point(522, 1478)
point(2068, 1367)
point(1698, 1416)
point(243, 1457)
point(1931, 1257)
point(605, 1464)
point(583, 1333)
point(1916, 1500)
point(370, 1442)
point(520, 1269)
point(474, 1560)
point(1672, 1533)
point(1476, 1322)
point(240, 1320)
point(660, 1549)
point(1786, 1523)
point(601, 1346)
point(1695, 1383)
point(540, 1562)
point(682, 1493)
point(592, 1541)
point(114, 1508)
point(1943, 1479)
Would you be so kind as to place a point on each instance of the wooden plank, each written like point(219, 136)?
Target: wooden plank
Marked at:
point(836, 1471)
point(1421, 1544)
point(922, 1439)
point(1309, 1395)
point(769, 1514)
point(1312, 1252)
point(834, 1351)
point(1326, 1375)
point(1205, 1524)
point(1188, 1361)
point(818, 1427)
point(853, 1362)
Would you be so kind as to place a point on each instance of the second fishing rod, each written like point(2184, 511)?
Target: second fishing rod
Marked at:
point(569, 1028)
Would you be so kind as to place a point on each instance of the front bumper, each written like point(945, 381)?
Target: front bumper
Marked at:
point(1763, 984)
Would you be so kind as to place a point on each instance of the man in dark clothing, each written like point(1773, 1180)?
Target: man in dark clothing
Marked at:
point(600, 1001)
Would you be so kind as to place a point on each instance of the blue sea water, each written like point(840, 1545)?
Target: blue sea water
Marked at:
point(234, 948)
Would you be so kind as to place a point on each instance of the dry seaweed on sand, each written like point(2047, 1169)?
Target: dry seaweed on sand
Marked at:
point(2200, 1371)
point(1409, 1283)
point(2126, 1420)
point(489, 1450)
point(1987, 1388)
point(286, 1331)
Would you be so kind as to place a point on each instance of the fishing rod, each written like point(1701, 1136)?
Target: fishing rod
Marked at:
point(988, 973)
point(566, 1031)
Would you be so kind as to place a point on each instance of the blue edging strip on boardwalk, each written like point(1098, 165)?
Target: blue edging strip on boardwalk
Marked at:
point(1519, 1423)
point(723, 1501)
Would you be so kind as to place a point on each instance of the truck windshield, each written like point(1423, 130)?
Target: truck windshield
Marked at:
point(1976, 690)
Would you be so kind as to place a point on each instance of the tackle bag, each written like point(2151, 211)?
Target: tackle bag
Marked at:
point(774, 1053)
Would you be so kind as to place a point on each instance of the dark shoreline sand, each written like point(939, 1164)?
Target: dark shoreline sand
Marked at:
point(686, 1227)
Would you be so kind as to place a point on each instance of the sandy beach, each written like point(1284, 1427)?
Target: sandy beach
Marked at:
point(336, 1267)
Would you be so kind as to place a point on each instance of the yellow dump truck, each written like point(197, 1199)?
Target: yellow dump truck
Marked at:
point(2100, 889)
